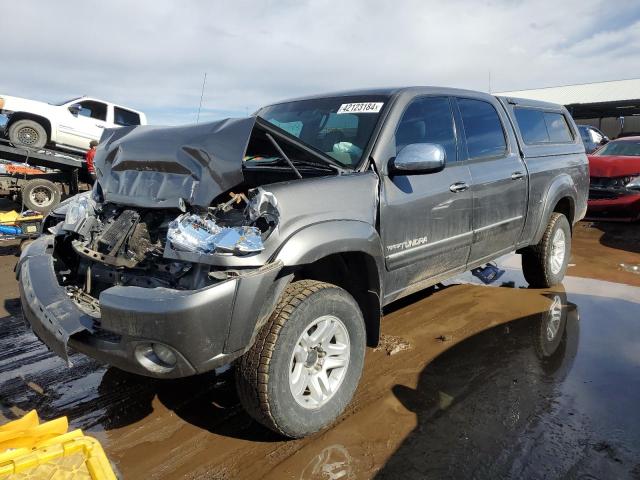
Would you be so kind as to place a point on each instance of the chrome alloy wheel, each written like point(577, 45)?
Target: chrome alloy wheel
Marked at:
point(319, 362)
point(555, 314)
point(558, 250)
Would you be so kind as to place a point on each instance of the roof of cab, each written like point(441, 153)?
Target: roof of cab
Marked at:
point(388, 91)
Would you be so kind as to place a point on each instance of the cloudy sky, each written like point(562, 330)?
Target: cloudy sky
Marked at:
point(152, 54)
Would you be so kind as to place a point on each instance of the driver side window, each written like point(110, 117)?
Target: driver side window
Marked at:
point(93, 109)
point(428, 120)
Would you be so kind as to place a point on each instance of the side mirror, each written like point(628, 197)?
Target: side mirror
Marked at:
point(75, 108)
point(604, 141)
point(418, 158)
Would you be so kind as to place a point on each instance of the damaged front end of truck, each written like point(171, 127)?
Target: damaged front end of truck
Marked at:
point(167, 267)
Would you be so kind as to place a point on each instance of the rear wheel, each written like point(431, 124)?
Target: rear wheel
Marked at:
point(40, 195)
point(28, 133)
point(545, 264)
point(304, 367)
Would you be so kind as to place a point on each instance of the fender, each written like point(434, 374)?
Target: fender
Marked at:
point(336, 236)
point(320, 240)
point(561, 186)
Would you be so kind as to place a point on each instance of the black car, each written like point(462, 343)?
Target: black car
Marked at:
point(592, 137)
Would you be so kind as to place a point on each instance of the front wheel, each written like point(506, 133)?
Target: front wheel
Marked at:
point(305, 365)
point(545, 264)
point(28, 133)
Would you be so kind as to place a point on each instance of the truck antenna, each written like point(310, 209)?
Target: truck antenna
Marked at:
point(201, 95)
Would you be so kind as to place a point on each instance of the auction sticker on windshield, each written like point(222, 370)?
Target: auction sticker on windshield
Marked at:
point(366, 107)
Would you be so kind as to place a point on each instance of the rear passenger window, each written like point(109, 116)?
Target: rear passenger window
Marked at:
point(557, 127)
point(125, 118)
point(428, 120)
point(532, 125)
point(538, 126)
point(482, 128)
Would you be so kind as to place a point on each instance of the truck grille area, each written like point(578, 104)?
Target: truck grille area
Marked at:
point(595, 194)
point(117, 232)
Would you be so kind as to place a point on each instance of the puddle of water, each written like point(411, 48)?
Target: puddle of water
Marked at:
point(548, 394)
point(630, 268)
point(495, 382)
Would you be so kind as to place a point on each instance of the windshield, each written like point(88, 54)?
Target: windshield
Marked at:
point(338, 126)
point(59, 104)
point(624, 148)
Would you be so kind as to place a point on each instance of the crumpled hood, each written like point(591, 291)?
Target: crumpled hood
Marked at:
point(162, 167)
point(613, 166)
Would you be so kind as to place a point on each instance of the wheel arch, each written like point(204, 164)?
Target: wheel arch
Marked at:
point(44, 121)
point(344, 253)
point(561, 198)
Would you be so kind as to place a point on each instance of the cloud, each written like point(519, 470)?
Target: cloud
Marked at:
point(152, 54)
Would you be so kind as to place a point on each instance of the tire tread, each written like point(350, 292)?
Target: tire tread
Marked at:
point(252, 370)
point(535, 266)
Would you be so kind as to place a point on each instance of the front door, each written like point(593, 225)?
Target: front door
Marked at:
point(499, 179)
point(78, 130)
point(426, 218)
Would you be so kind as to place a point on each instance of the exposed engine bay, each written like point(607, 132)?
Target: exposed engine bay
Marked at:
point(155, 220)
point(102, 245)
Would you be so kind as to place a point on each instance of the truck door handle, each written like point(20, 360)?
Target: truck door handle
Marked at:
point(517, 175)
point(458, 187)
point(99, 126)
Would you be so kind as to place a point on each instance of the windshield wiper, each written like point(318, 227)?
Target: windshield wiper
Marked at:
point(316, 166)
point(284, 155)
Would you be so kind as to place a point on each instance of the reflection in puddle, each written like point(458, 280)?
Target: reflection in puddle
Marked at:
point(496, 382)
point(332, 463)
point(535, 398)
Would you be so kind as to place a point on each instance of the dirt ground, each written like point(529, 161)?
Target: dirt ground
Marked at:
point(469, 381)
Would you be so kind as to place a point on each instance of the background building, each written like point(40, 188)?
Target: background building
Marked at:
point(613, 107)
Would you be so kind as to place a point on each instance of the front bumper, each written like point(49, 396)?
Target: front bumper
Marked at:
point(4, 121)
point(205, 328)
point(618, 207)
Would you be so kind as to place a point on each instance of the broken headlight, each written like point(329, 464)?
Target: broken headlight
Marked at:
point(192, 233)
point(78, 210)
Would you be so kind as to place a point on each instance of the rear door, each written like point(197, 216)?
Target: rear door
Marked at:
point(498, 174)
point(426, 218)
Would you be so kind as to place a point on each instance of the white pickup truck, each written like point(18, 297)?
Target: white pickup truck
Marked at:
point(70, 125)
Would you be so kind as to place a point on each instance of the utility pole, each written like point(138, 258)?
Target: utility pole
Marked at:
point(201, 95)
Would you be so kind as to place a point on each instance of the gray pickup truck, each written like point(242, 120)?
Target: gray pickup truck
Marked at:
point(275, 241)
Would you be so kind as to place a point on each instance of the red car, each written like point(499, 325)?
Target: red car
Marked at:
point(614, 192)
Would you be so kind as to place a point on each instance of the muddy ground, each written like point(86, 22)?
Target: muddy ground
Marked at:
point(469, 381)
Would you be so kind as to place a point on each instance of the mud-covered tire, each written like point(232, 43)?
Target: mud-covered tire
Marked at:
point(540, 264)
point(40, 195)
point(28, 133)
point(263, 372)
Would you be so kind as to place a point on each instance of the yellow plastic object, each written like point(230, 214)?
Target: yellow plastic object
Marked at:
point(26, 218)
point(13, 218)
point(9, 218)
point(30, 450)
